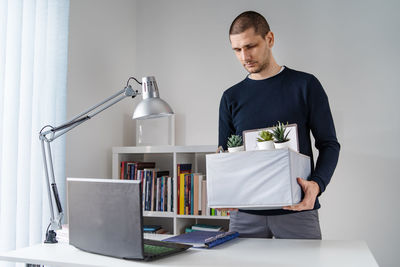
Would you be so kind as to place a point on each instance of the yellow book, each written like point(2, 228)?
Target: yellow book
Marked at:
point(182, 194)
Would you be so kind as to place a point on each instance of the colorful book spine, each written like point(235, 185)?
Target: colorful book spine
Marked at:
point(191, 194)
point(222, 238)
point(153, 191)
point(181, 168)
point(121, 176)
point(170, 194)
point(182, 194)
point(187, 194)
point(157, 208)
point(195, 194)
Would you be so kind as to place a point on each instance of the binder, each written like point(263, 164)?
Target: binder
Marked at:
point(203, 239)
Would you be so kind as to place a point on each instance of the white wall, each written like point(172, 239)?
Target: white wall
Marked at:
point(351, 46)
point(101, 58)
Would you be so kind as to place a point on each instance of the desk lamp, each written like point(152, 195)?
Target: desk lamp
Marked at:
point(152, 106)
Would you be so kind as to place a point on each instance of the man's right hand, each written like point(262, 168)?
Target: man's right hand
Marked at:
point(220, 149)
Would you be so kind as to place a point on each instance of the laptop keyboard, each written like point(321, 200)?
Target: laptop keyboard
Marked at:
point(155, 250)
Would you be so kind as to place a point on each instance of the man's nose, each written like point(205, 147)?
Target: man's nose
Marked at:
point(245, 55)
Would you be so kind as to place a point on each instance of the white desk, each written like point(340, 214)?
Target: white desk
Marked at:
point(239, 252)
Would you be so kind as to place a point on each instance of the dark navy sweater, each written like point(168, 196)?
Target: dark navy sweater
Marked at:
point(290, 96)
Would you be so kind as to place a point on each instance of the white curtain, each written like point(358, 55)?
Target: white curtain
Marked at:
point(33, 71)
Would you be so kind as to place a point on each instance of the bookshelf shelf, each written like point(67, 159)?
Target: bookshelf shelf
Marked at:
point(167, 158)
point(202, 217)
point(158, 214)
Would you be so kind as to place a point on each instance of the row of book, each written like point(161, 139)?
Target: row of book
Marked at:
point(157, 191)
point(129, 169)
point(157, 186)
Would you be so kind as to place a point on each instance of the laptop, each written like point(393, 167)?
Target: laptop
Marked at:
point(105, 217)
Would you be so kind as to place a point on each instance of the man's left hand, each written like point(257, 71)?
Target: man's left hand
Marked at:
point(311, 191)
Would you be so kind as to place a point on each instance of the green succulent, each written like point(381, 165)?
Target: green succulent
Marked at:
point(265, 136)
point(235, 141)
point(280, 133)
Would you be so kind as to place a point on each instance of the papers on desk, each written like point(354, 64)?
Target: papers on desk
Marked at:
point(204, 239)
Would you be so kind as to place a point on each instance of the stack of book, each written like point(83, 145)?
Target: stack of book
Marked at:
point(192, 193)
point(157, 186)
point(203, 239)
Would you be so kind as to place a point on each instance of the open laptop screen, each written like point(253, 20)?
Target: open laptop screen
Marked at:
point(105, 216)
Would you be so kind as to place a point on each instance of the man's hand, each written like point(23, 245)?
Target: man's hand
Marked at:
point(220, 149)
point(311, 191)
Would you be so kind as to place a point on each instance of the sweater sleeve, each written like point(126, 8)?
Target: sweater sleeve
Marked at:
point(323, 129)
point(225, 128)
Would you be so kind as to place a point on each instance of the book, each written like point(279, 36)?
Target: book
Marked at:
point(181, 168)
point(205, 239)
point(158, 194)
point(162, 192)
point(151, 228)
point(206, 227)
point(131, 171)
point(181, 195)
point(170, 194)
point(187, 194)
point(195, 194)
point(153, 197)
point(148, 179)
point(204, 209)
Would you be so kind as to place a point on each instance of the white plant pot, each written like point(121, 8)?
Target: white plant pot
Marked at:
point(282, 145)
point(266, 145)
point(235, 149)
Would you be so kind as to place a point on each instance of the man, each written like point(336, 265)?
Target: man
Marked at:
point(272, 93)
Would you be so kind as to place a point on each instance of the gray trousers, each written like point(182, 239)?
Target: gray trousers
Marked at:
point(299, 225)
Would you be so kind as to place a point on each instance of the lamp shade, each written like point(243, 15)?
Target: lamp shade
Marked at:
point(152, 106)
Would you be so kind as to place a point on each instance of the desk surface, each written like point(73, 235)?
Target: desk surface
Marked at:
point(239, 252)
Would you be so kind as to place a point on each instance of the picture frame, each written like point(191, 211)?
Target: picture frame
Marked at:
point(250, 137)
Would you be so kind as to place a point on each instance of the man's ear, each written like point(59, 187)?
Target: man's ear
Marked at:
point(269, 37)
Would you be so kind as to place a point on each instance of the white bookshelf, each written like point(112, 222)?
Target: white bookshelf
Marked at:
point(167, 158)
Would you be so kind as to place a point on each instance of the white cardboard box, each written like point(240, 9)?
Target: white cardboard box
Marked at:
point(262, 179)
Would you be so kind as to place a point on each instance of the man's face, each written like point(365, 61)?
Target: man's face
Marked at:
point(252, 50)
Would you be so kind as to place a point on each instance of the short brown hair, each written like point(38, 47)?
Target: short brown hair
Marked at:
point(247, 20)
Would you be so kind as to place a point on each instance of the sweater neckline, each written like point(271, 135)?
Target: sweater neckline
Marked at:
point(269, 78)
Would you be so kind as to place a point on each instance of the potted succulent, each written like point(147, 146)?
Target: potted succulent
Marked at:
point(281, 136)
point(235, 143)
point(265, 141)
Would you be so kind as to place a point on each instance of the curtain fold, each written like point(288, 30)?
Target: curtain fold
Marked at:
point(33, 74)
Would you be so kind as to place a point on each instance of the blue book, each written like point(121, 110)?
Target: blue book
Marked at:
point(204, 239)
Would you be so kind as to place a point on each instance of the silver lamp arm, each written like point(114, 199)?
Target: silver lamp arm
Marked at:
point(49, 134)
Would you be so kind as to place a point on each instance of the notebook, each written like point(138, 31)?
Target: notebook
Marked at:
point(204, 239)
point(105, 217)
